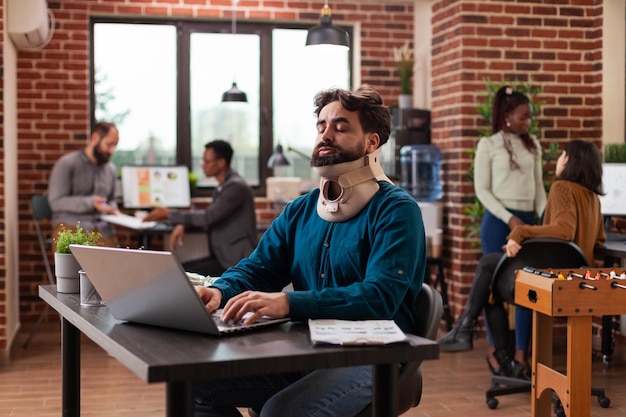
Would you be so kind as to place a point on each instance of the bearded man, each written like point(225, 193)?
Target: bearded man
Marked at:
point(82, 186)
point(353, 249)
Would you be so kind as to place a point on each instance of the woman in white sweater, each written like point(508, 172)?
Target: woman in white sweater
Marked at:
point(508, 181)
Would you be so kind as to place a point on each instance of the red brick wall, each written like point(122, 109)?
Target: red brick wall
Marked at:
point(53, 89)
point(556, 45)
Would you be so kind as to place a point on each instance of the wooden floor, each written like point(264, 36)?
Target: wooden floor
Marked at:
point(30, 386)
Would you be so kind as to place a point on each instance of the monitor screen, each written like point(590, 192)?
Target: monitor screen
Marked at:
point(151, 186)
point(613, 203)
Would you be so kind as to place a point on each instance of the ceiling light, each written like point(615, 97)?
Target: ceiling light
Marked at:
point(234, 93)
point(326, 33)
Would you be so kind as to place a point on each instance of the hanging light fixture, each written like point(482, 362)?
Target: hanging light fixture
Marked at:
point(234, 93)
point(326, 33)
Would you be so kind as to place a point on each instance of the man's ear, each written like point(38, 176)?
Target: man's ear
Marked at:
point(372, 141)
point(95, 137)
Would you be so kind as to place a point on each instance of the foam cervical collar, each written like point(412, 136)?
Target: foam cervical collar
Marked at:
point(357, 181)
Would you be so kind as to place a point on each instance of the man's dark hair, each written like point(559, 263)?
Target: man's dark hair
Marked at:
point(103, 128)
point(584, 165)
point(374, 116)
point(222, 150)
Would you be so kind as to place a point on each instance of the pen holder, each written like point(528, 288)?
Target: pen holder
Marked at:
point(89, 297)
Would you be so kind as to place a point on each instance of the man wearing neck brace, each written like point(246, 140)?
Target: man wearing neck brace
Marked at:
point(353, 249)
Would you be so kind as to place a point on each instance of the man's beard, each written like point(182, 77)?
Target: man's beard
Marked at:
point(335, 158)
point(101, 157)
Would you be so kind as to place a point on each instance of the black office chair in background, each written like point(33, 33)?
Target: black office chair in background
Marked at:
point(429, 311)
point(541, 253)
point(41, 211)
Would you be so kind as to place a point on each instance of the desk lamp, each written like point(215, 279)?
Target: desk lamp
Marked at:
point(277, 160)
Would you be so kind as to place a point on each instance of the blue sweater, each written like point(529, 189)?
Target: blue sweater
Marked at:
point(371, 266)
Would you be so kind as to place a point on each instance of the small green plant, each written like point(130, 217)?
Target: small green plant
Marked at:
point(615, 153)
point(79, 236)
point(193, 181)
point(404, 60)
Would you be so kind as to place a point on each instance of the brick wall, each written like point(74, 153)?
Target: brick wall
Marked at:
point(556, 45)
point(53, 87)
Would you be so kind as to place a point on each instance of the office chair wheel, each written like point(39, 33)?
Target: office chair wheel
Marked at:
point(492, 403)
point(604, 401)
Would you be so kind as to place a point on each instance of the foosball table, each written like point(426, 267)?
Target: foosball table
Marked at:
point(577, 295)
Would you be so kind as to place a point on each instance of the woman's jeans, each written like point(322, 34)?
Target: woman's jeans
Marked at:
point(338, 392)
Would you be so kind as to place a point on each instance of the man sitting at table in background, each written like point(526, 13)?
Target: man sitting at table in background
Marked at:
point(353, 249)
point(82, 186)
point(230, 220)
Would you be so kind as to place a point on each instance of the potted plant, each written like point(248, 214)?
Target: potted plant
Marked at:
point(405, 61)
point(65, 265)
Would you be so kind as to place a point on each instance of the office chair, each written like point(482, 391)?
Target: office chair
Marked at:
point(428, 310)
point(41, 211)
point(540, 253)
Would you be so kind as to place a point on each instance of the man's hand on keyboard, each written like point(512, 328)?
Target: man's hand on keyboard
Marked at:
point(211, 297)
point(259, 304)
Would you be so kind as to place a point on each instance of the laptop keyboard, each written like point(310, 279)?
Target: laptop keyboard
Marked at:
point(239, 325)
point(217, 316)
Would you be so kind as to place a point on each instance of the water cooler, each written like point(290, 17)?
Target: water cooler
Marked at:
point(408, 127)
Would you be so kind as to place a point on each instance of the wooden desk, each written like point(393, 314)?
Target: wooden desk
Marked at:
point(178, 358)
point(613, 249)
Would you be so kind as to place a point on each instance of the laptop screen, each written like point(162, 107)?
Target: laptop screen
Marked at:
point(151, 186)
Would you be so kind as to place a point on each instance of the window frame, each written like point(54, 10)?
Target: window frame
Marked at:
point(184, 29)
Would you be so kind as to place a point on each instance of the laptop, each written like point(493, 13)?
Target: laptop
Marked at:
point(151, 287)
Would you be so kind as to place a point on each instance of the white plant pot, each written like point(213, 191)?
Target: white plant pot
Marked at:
point(66, 269)
point(405, 101)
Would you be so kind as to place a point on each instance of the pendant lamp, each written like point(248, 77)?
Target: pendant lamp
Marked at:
point(234, 93)
point(326, 33)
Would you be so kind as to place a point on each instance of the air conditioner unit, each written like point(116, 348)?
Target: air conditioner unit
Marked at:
point(28, 23)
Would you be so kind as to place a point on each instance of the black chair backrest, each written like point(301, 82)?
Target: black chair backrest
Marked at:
point(541, 253)
point(41, 207)
point(41, 211)
point(428, 310)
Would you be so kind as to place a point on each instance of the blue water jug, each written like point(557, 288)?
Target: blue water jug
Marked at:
point(420, 166)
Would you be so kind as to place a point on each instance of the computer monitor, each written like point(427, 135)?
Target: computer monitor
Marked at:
point(613, 203)
point(151, 186)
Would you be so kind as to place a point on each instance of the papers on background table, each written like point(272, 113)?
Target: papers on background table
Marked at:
point(355, 332)
point(126, 220)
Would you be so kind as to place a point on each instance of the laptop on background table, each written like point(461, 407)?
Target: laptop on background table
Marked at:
point(151, 287)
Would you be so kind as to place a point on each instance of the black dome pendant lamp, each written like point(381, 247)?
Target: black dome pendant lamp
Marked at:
point(234, 94)
point(326, 33)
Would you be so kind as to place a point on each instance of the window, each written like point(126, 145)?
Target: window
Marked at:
point(162, 84)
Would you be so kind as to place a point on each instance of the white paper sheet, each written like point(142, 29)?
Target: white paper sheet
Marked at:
point(125, 220)
point(355, 332)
